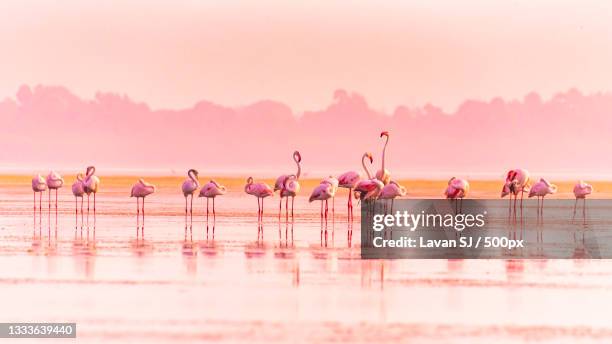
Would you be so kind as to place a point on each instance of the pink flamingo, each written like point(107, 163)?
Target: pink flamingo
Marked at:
point(368, 189)
point(540, 190)
point(141, 189)
point(383, 174)
point(54, 182)
point(349, 180)
point(78, 190)
point(280, 185)
point(212, 189)
point(392, 191)
point(323, 192)
point(581, 190)
point(39, 185)
point(516, 181)
point(189, 187)
point(290, 189)
point(91, 185)
point(457, 189)
point(259, 190)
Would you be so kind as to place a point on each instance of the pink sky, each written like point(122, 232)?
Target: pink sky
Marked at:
point(171, 54)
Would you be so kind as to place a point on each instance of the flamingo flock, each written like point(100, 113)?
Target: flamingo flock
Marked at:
point(378, 187)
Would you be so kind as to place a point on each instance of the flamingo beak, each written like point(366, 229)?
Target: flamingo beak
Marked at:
point(384, 133)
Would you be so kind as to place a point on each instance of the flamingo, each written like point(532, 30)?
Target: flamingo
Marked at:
point(540, 190)
point(212, 189)
point(259, 190)
point(322, 192)
point(368, 189)
point(78, 190)
point(91, 185)
point(457, 189)
point(141, 189)
point(280, 185)
point(38, 185)
point(383, 174)
point(349, 180)
point(581, 190)
point(189, 187)
point(290, 189)
point(54, 182)
point(516, 181)
point(391, 191)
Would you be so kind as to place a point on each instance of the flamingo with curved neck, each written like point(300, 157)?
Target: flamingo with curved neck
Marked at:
point(259, 190)
point(383, 174)
point(189, 187)
point(281, 181)
point(78, 190)
point(350, 179)
point(212, 189)
point(91, 185)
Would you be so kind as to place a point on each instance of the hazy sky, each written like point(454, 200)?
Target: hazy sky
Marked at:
point(171, 54)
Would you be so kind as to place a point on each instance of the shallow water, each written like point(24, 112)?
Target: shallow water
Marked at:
point(297, 284)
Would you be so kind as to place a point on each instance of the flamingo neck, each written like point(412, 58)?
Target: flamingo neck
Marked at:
point(364, 166)
point(383, 154)
point(299, 169)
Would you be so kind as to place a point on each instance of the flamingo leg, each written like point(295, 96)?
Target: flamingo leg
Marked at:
point(286, 208)
point(321, 211)
point(34, 202)
point(49, 199)
point(214, 212)
point(94, 203)
point(191, 207)
point(292, 202)
point(185, 207)
point(575, 204)
point(584, 209)
point(280, 206)
point(206, 208)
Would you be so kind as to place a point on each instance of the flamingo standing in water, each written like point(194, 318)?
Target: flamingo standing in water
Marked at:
point(54, 182)
point(259, 190)
point(78, 190)
point(189, 187)
point(457, 189)
point(212, 189)
point(290, 189)
point(323, 192)
point(91, 185)
point(516, 181)
point(39, 185)
point(581, 190)
point(349, 180)
point(280, 185)
point(370, 188)
point(383, 174)
point(141, 189)
point(391, 191)
point(540, 190)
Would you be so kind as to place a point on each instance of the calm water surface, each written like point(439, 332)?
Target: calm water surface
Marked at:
point(299, 283)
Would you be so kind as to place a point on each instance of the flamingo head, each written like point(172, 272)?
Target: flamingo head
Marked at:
point(194, 171)
point(369, 155)
point(297, 156)
point(384, 133)
point(90, 170)
point(250, 180)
